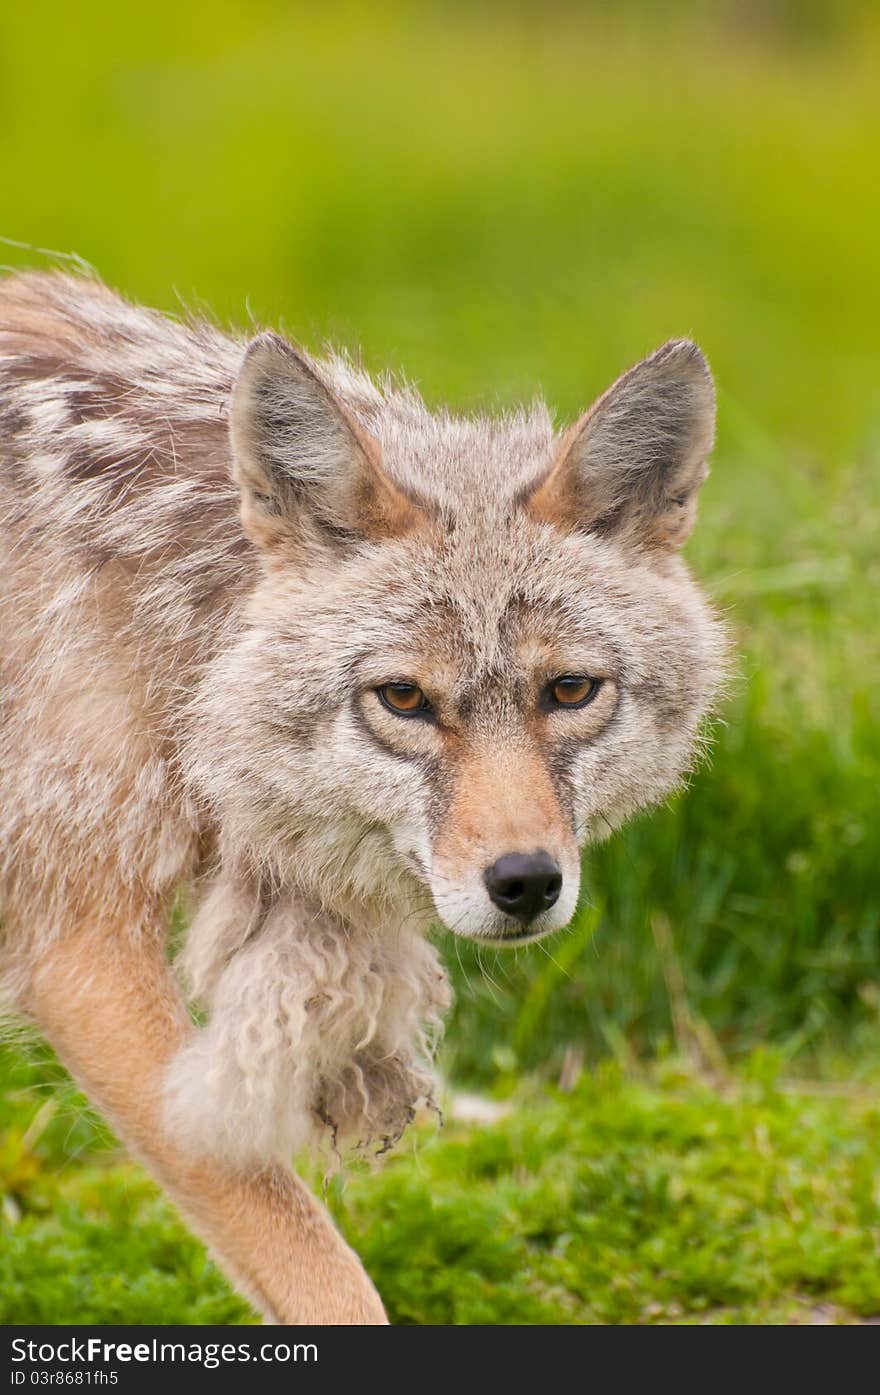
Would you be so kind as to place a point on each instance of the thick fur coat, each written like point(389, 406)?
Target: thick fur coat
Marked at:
point(222, 562)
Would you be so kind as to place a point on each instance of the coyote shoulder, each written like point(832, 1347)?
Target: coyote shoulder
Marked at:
point(276, 637)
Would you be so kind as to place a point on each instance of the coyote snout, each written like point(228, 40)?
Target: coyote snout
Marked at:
point(519, 897)
point(524, 889)
point(506, 864)
point(489, 819)
point(524, 886)
point(337, 668)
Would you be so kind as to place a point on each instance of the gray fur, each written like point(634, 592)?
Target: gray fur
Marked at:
point(193, 632)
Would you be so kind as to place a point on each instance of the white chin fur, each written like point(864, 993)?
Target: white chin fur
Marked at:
point(467, 911)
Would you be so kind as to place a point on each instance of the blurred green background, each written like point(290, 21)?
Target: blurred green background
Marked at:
point(502, 199)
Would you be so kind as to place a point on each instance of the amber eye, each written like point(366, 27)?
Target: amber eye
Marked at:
point(572, 690)
point(404, 699)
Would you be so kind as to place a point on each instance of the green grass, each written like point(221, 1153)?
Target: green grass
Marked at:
point(500, 199)
point(649, 1199)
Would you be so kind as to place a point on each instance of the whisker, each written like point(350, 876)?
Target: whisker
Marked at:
point(487, 977)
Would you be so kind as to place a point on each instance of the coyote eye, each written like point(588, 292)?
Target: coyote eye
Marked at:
point(403, 699)
point(571, 690)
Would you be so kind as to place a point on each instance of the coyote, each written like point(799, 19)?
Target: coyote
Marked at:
point(277, 639)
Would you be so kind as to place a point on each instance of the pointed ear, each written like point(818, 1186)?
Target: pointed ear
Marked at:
point(308, 473)
point(633, 465)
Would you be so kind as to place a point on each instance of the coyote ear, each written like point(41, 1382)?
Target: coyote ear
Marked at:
point(633, 464)
point(304, 466)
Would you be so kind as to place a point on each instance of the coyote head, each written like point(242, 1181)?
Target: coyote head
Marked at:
point(474, 646)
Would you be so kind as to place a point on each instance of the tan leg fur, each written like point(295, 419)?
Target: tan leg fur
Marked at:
point(110, 1009)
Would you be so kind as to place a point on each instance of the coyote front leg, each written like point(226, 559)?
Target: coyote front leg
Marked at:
point(109, 1006)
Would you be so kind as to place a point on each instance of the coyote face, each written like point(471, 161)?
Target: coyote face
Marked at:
point(474, 648)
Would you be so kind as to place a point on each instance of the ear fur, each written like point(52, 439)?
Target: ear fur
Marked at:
point(305, 468)
point(632, 466)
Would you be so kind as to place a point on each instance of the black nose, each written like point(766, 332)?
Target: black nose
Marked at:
point(524, 884)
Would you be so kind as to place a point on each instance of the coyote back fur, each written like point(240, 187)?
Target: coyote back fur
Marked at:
point(277, 638)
